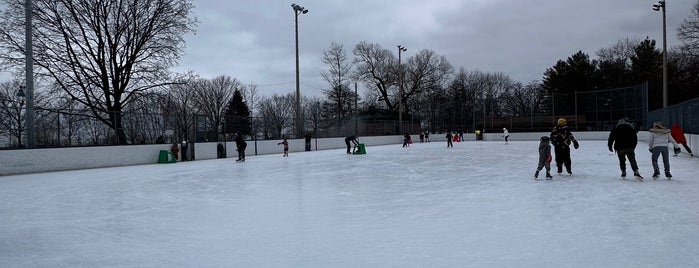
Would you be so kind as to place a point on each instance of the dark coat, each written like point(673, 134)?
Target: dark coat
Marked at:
point(623, 136)
point(561, 137)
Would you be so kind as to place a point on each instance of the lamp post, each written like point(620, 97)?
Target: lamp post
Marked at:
point(658, 7)
point(29, 72)
point(401, 49)
point(298, 10)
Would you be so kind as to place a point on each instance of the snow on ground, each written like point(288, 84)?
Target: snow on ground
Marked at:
point(473, 205)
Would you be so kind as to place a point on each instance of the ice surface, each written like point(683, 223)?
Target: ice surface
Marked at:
point(473, 205)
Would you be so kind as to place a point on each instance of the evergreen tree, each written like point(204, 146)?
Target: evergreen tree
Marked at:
point(237, 115)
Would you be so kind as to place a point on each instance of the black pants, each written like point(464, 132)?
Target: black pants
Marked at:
point(348, 146)
point(631, 155)
point(241, 152)
point(562, 158)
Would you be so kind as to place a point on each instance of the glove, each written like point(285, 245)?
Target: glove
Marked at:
point(610, 149)
point(575, 144)
point(548, 158)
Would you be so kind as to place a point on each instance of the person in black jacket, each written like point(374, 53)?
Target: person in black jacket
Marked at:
point(561, 137)
point(623, 139)
point(241, 144)
point(354, 141)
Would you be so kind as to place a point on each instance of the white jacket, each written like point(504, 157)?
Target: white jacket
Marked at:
point(660, 137)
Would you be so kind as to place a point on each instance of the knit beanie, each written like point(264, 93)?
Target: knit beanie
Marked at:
point(561, 121)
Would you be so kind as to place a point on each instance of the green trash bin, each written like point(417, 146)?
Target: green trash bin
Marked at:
point(359, 149)
point(166, 156)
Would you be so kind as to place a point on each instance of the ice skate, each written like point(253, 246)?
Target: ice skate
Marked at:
point(668, 175)
point(656, 174)
point(536, 175)
point(637, 176)
point(623, 174)
point(548, 175)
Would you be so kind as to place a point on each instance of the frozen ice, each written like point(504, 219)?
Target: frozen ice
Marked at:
point(473, 205)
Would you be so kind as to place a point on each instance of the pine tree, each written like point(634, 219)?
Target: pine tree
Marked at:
point(237, 116)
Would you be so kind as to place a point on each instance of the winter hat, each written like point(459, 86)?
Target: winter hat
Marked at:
point(658, 124)
point(623, 120)
point(545, 138)
point(561, 121)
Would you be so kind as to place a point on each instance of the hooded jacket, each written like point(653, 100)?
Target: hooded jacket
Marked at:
point(660, 136)
point(623, 136)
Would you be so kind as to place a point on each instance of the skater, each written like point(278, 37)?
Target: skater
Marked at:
point(450, 137)
point(678, 135)
point(427, 136)
point(623, 139)
point(422, 137)
point(175, 151)
point(561, 137)
point(544, 157)
point(406, 140)
point(505, 134)
point(657, 145)
point(307, 139)
point(241, 144)
point(460, 136)
point(286, 147)
point(352, 139)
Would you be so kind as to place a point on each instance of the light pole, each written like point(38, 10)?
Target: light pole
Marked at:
point(29, 72)
point(658, 7)
point(298, 10)
point(401, 49)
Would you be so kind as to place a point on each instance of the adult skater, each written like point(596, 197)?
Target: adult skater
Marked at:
point(352, 139)
point(657, 145)
point(505, 134)
point(450, 139)
point(241, 144)
point(307, 139)
point(561, 137)
point(677, 134)
point(623, 139)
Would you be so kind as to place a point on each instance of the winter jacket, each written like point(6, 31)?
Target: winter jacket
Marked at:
point(562, 137)
point(677, 133)
point(623, 136)
point(544, 151)
point(660, 136)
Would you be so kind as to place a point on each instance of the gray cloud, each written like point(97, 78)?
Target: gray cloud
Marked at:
point(253, 41)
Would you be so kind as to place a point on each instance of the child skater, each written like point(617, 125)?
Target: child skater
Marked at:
point(544, 158)
point(286, 147)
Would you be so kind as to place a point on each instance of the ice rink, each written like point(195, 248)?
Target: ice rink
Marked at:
point(473, 205)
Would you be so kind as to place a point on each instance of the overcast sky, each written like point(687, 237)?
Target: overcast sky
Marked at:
point(253, 40)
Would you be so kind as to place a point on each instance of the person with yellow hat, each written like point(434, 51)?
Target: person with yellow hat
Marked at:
point(561, 137)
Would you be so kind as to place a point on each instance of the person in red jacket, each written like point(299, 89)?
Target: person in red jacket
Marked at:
point(677, 134)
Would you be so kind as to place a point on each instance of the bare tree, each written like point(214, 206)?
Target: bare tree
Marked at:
point(212, 97)
point(688, 32)
point(376, 67)
point(278, 113)
point(103, 53)
point(339, 94)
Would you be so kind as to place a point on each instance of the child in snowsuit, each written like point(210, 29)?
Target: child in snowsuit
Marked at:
point(544, 157)
point(561, 137)
point(406, 140)
point(677, 134)
point(657, 145)
point(286, 147)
